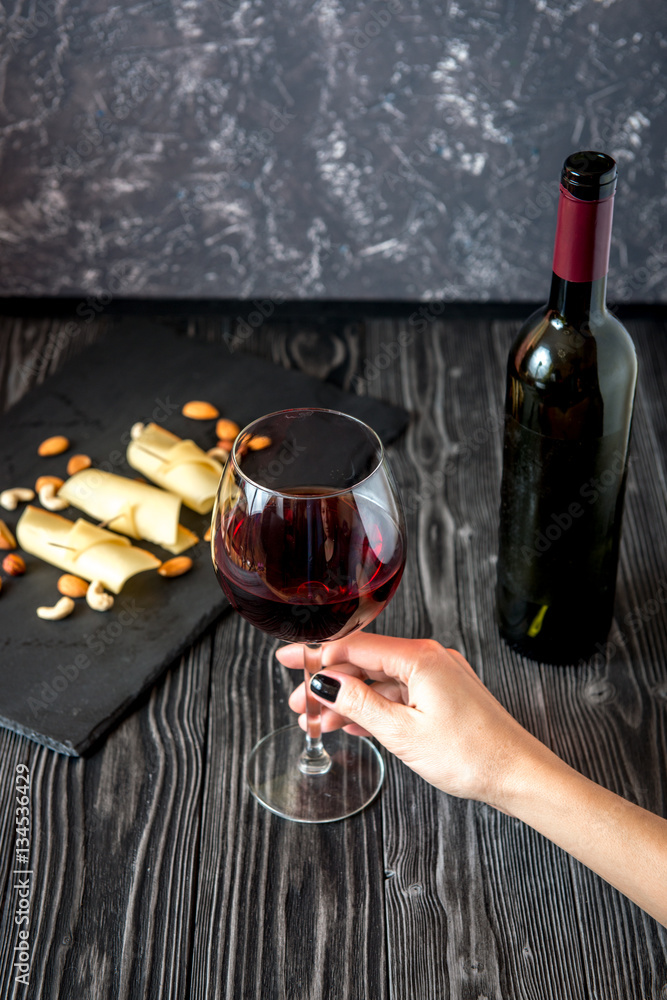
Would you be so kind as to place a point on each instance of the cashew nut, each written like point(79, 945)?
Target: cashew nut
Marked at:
point(48, 498)
point(136, 430)
point(62, 609)
point(97, 598)
point(10, 499)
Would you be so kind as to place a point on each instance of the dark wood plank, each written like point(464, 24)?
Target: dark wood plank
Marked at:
point(426, 907)
point(130, 953)
point(158, 875)
point(114, 850)
point(114, 836)
point(506, 893)
point(649, 337)
point(622, 699)
point(585, 719)
point(527, 896)
point(14, 750)
point(32, 349)
point(295, 900)
point(325, 348)
point(297, 909)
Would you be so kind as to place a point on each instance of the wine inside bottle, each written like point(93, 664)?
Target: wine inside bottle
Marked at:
point(571, 379)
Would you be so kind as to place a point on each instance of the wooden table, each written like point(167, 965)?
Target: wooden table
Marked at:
point(156, 874)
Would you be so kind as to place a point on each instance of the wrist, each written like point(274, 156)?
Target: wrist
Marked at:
point(529, 780)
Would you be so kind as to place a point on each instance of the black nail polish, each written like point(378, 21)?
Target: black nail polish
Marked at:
point(325, 687)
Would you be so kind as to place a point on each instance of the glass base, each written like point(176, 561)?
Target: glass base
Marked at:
point(352, 781)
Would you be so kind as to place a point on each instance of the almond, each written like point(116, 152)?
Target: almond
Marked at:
point(175, 567)
point(226, 429)
point(7, 540)
point(77, 463)
point(207, 535)
point(198, 409)
point(54, 481)
point(53, 446)
point(225, 445)
point(72, 586)
point(13, 564)
point(257, 443)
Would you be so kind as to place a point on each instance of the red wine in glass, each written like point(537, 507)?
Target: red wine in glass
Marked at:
point(311, 566)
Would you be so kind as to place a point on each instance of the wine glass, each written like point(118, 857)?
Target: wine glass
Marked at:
point(308, 544)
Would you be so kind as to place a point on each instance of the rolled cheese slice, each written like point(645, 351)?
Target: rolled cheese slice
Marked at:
point(176, 465)
point(82, 548)
point(132, 508)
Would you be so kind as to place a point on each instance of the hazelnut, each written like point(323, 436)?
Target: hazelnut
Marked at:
point(14, 564)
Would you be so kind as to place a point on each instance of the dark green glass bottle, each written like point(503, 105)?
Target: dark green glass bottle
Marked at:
point(571, 379)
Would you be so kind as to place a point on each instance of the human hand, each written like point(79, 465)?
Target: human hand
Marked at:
point(427, 706)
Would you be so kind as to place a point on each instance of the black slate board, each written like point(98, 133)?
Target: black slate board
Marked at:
point(66, 683)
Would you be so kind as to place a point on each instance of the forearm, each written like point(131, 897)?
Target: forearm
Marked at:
point(625, 844)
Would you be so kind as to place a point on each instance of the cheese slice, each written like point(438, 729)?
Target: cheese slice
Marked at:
point(132, 508)
point(82, 548)
point(176, 465)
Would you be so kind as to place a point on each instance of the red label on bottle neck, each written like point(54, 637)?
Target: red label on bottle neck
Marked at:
point(583, 234)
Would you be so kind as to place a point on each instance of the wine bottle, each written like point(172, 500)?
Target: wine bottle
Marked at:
point(571, 379)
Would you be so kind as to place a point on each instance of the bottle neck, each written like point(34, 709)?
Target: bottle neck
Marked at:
point(581, 256)
point(577, 300)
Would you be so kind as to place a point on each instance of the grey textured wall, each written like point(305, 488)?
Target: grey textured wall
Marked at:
point(385, 149)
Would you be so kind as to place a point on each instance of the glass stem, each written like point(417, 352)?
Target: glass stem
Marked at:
point(314, 759)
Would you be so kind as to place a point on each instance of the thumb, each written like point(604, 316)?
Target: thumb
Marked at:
point(388, 721)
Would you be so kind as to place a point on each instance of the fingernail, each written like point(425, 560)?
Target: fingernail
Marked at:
point(325, 687)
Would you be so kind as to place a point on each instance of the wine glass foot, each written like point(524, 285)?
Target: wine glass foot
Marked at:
point(312, 762)
point(351, 782)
